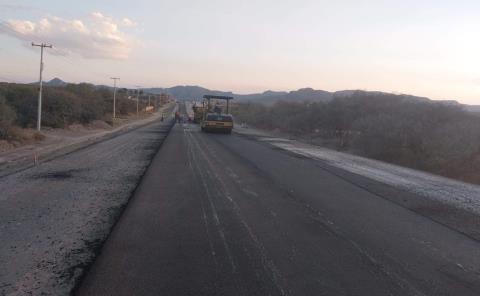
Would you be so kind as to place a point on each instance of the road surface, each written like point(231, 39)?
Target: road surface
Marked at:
point(228, 215)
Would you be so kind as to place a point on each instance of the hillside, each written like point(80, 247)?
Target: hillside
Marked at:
point(186, 92)
point(56, 82)
point(269, 97)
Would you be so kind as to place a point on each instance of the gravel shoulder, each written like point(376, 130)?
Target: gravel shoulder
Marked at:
point(55, 216)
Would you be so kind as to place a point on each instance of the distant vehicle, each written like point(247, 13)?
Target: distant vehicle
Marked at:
point(214, 120)
point(198, 113)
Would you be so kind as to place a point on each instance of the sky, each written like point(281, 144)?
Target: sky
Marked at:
point(426, 48)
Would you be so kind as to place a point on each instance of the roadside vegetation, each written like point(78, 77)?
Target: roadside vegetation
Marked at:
point(437, 138)
point(62, 106)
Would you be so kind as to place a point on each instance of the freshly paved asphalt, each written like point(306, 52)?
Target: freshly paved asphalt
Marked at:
point(227, 215)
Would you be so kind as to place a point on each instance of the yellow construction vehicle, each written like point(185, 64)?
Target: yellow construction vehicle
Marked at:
point(213, 118)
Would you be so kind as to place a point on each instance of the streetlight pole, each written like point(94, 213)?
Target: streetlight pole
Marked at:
point(114, 94)
point(39, 112)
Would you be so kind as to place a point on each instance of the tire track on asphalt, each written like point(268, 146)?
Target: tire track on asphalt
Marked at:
point(267, 263)
point(330, 226)
point(208, 193)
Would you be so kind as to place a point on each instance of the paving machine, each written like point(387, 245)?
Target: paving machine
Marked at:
point(216, 117)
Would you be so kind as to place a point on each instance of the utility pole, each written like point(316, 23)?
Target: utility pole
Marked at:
point(138, 93)
point(39, 115)
point(114, 93)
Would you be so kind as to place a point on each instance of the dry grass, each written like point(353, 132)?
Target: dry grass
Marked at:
point(18, 137)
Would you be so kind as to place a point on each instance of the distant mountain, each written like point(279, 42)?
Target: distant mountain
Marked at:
point(302, 95)
point(271, 93)
point(469, 108)
point(347, 93)
point(189, 92)
point(197, 92)
point(309, 94)
point(56, 82)
point(472, 108)
point(344, 93)
point(186, 92)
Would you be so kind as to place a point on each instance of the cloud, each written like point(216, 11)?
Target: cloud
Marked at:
point(94, 37)
point(128, 22)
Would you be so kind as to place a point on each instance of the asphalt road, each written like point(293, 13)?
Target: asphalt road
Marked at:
point(228, 215)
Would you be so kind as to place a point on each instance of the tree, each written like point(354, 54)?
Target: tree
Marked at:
point(7, 118)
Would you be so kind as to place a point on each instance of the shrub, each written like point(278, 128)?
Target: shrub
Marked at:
point(426, 135)
point(23, 99)
point(7, 118)
point(61, 106)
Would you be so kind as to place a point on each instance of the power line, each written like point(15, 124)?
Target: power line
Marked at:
point(39, 116)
